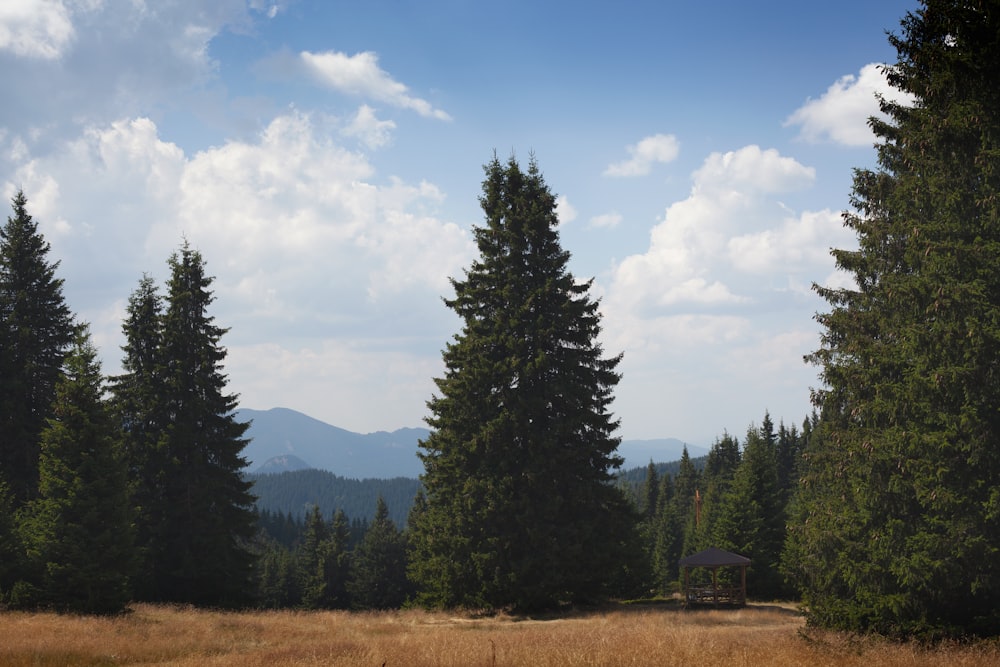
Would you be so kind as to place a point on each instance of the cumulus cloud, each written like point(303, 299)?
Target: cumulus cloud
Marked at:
point(724, 286)
point(312, 255)
point(841, 114)
point(729, 229)
point(361, 76)
point(564, 210)
point(367, 128)
point(724, 263)
point(79, 63)
point(35, 28)
point(751, 171)
point(659, 148)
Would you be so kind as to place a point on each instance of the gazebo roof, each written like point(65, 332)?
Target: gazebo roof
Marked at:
point(713, 557)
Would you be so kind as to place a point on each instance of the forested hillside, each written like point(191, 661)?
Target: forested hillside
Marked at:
point(297, 492)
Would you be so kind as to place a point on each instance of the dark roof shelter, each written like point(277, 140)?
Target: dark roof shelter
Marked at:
point(716, 594)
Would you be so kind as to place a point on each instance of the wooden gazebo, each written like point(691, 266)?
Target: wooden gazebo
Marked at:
point(715, 594)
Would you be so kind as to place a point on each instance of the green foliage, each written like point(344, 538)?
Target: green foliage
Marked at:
point(183, 445)
point(296, 492)
point(751, 518)
point(11, 549)
point(277, 580)
point(140, 410)
point(79, 531)
point(36, 331)
point(520, 511)
point(897, 529)
point(378, 566)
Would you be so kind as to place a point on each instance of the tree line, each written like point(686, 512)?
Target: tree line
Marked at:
point(116, 488)
point(882, 512)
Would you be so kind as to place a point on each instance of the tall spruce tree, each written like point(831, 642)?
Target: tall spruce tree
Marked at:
point(141, 415)
point(203, 549)
point(36, 331)
point(520, 511)
point(378, 565)
point(79, 531)
point(898, 528)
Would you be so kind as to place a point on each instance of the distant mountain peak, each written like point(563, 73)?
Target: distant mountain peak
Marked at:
point(283, 463)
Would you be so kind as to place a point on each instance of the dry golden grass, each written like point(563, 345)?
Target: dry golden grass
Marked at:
point(636, 635)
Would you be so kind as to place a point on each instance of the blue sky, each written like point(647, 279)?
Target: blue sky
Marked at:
point(326, 158)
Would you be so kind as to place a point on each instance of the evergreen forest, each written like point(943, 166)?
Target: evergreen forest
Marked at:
point(879, 512)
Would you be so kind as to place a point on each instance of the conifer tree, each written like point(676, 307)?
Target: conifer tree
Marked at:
point(79, 531)
point(203, 546)
point(720, 467)
point(751, 518)
point(324, 561)
point(36, 331)
point(687, 486)
point(140, 412)
point(339, 565)
point(313, 559)
point(378, 566)
point(650, 492)
point(898, 530)
point(665, 540)
point(519, 509)
point(277, 581)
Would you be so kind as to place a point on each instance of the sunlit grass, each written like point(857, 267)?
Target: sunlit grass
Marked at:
point(632, 635)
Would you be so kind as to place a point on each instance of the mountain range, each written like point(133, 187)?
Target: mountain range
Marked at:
point(282, 440)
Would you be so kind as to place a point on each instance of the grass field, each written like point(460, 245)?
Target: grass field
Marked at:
point(633, 635)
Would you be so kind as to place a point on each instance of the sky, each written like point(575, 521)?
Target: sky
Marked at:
point(326, 158)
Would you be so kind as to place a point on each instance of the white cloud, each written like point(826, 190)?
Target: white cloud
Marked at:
point(371, 131)
point(841, 114)
point(312, 256)
point(723, 291)
point(659, 148)
point(689, 260)
point(608, 220)
point(360, 75)
point(564, 210)
point(80, 63)
point(751, 171)
point(35, 28)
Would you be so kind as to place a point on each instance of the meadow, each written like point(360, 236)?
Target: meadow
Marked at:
point(622, 635)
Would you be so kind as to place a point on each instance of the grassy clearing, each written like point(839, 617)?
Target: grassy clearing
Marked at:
point(635, 635)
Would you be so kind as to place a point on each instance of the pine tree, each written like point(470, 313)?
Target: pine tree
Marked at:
point(36, 331)
point(751, 518)
point(141, 415)
point(665, 541)
point(519, 506)
point(720, 467)
point(312, 561)
point(378, 566)
point(650, 492)
point(339, 564)
point(203, 546)
point(80, 528)
point(686, 489)
point(277, 581)
point(898, 529)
